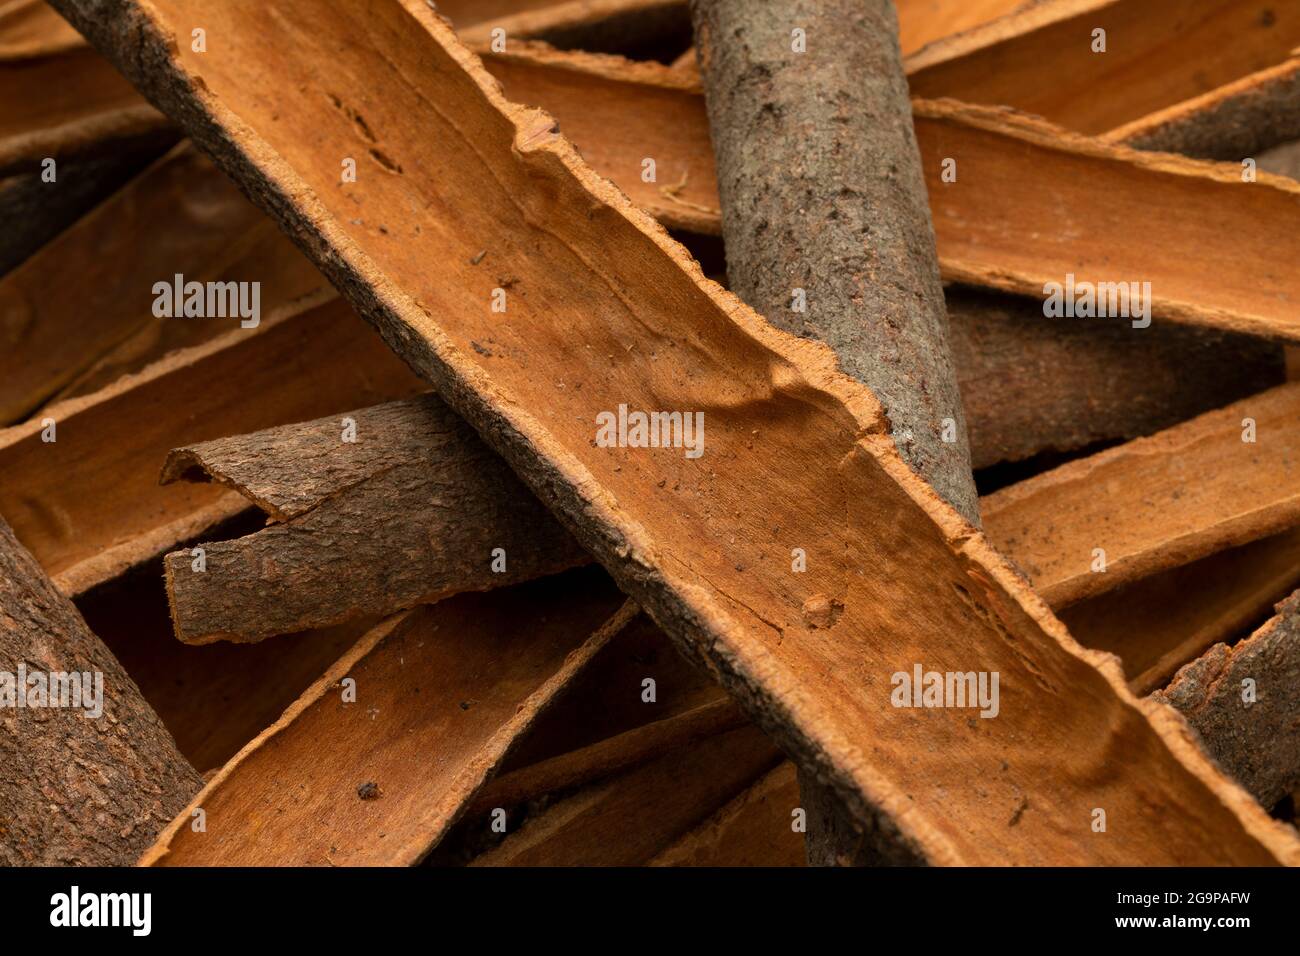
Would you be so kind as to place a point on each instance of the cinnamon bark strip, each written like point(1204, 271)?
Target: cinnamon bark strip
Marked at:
point(602, 298)
point(381, 510)
point(88, 773)
point(627, 820)
point(1223, 479)
point(1013, 213)
point(1044, 60)
point(180, 216)
point(447, 687)
point(1163, 622)
point(755, 829)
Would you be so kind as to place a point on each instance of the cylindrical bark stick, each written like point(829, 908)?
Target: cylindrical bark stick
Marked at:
point(88, 773)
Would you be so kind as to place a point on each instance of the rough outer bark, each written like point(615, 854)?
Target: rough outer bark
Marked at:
point(100, 479)
point(1235, 121)
point(820, 181)
point(407, 514)
point(1259, 742)
point(1031, 384)
point(605, 300)
point(75, 790)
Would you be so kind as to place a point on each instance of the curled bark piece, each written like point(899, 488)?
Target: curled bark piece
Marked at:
point(88, 504)
point(385, 508)
point(602, 298)
point(1243, 701)
point(825, 216)
point(447, 688)
point(87, 779)
point(1223, 479)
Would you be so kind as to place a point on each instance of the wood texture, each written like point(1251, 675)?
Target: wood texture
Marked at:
point(823, 197)
point(1195, 489)
point(1031, 384)
point(1243, 702)
point(35, 211)
point(604, 299)
point(88, 505)
point(446, 687)
point(67, 105)
point(412, 510)
point(76, 788)
point(1238, 120)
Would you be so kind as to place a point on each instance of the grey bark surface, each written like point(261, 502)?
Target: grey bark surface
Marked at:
point(819, 177)
point(1255, 737)
point(1242, 125)
point(820, 182)
point(407, 514)
point(76, 790)
point(1031, 384)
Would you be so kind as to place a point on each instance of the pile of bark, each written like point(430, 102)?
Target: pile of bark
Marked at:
point(649, 432)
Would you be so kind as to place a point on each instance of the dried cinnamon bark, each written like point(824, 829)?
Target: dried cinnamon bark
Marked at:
point(1238, 120)
point(1157, 625)
point(627, 820)
point(1042, 61)
point(1031, 384)
point(1024, 203)
point(77, 787)
point(448, 688)
point(754, 829)
point(179, 216)
point(88, 504)
point(822, 197)
point(91, 522)
point(599, 290)
point(35, 211)
point(1223, 479)
point(402, 505)
point(1243, 702)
